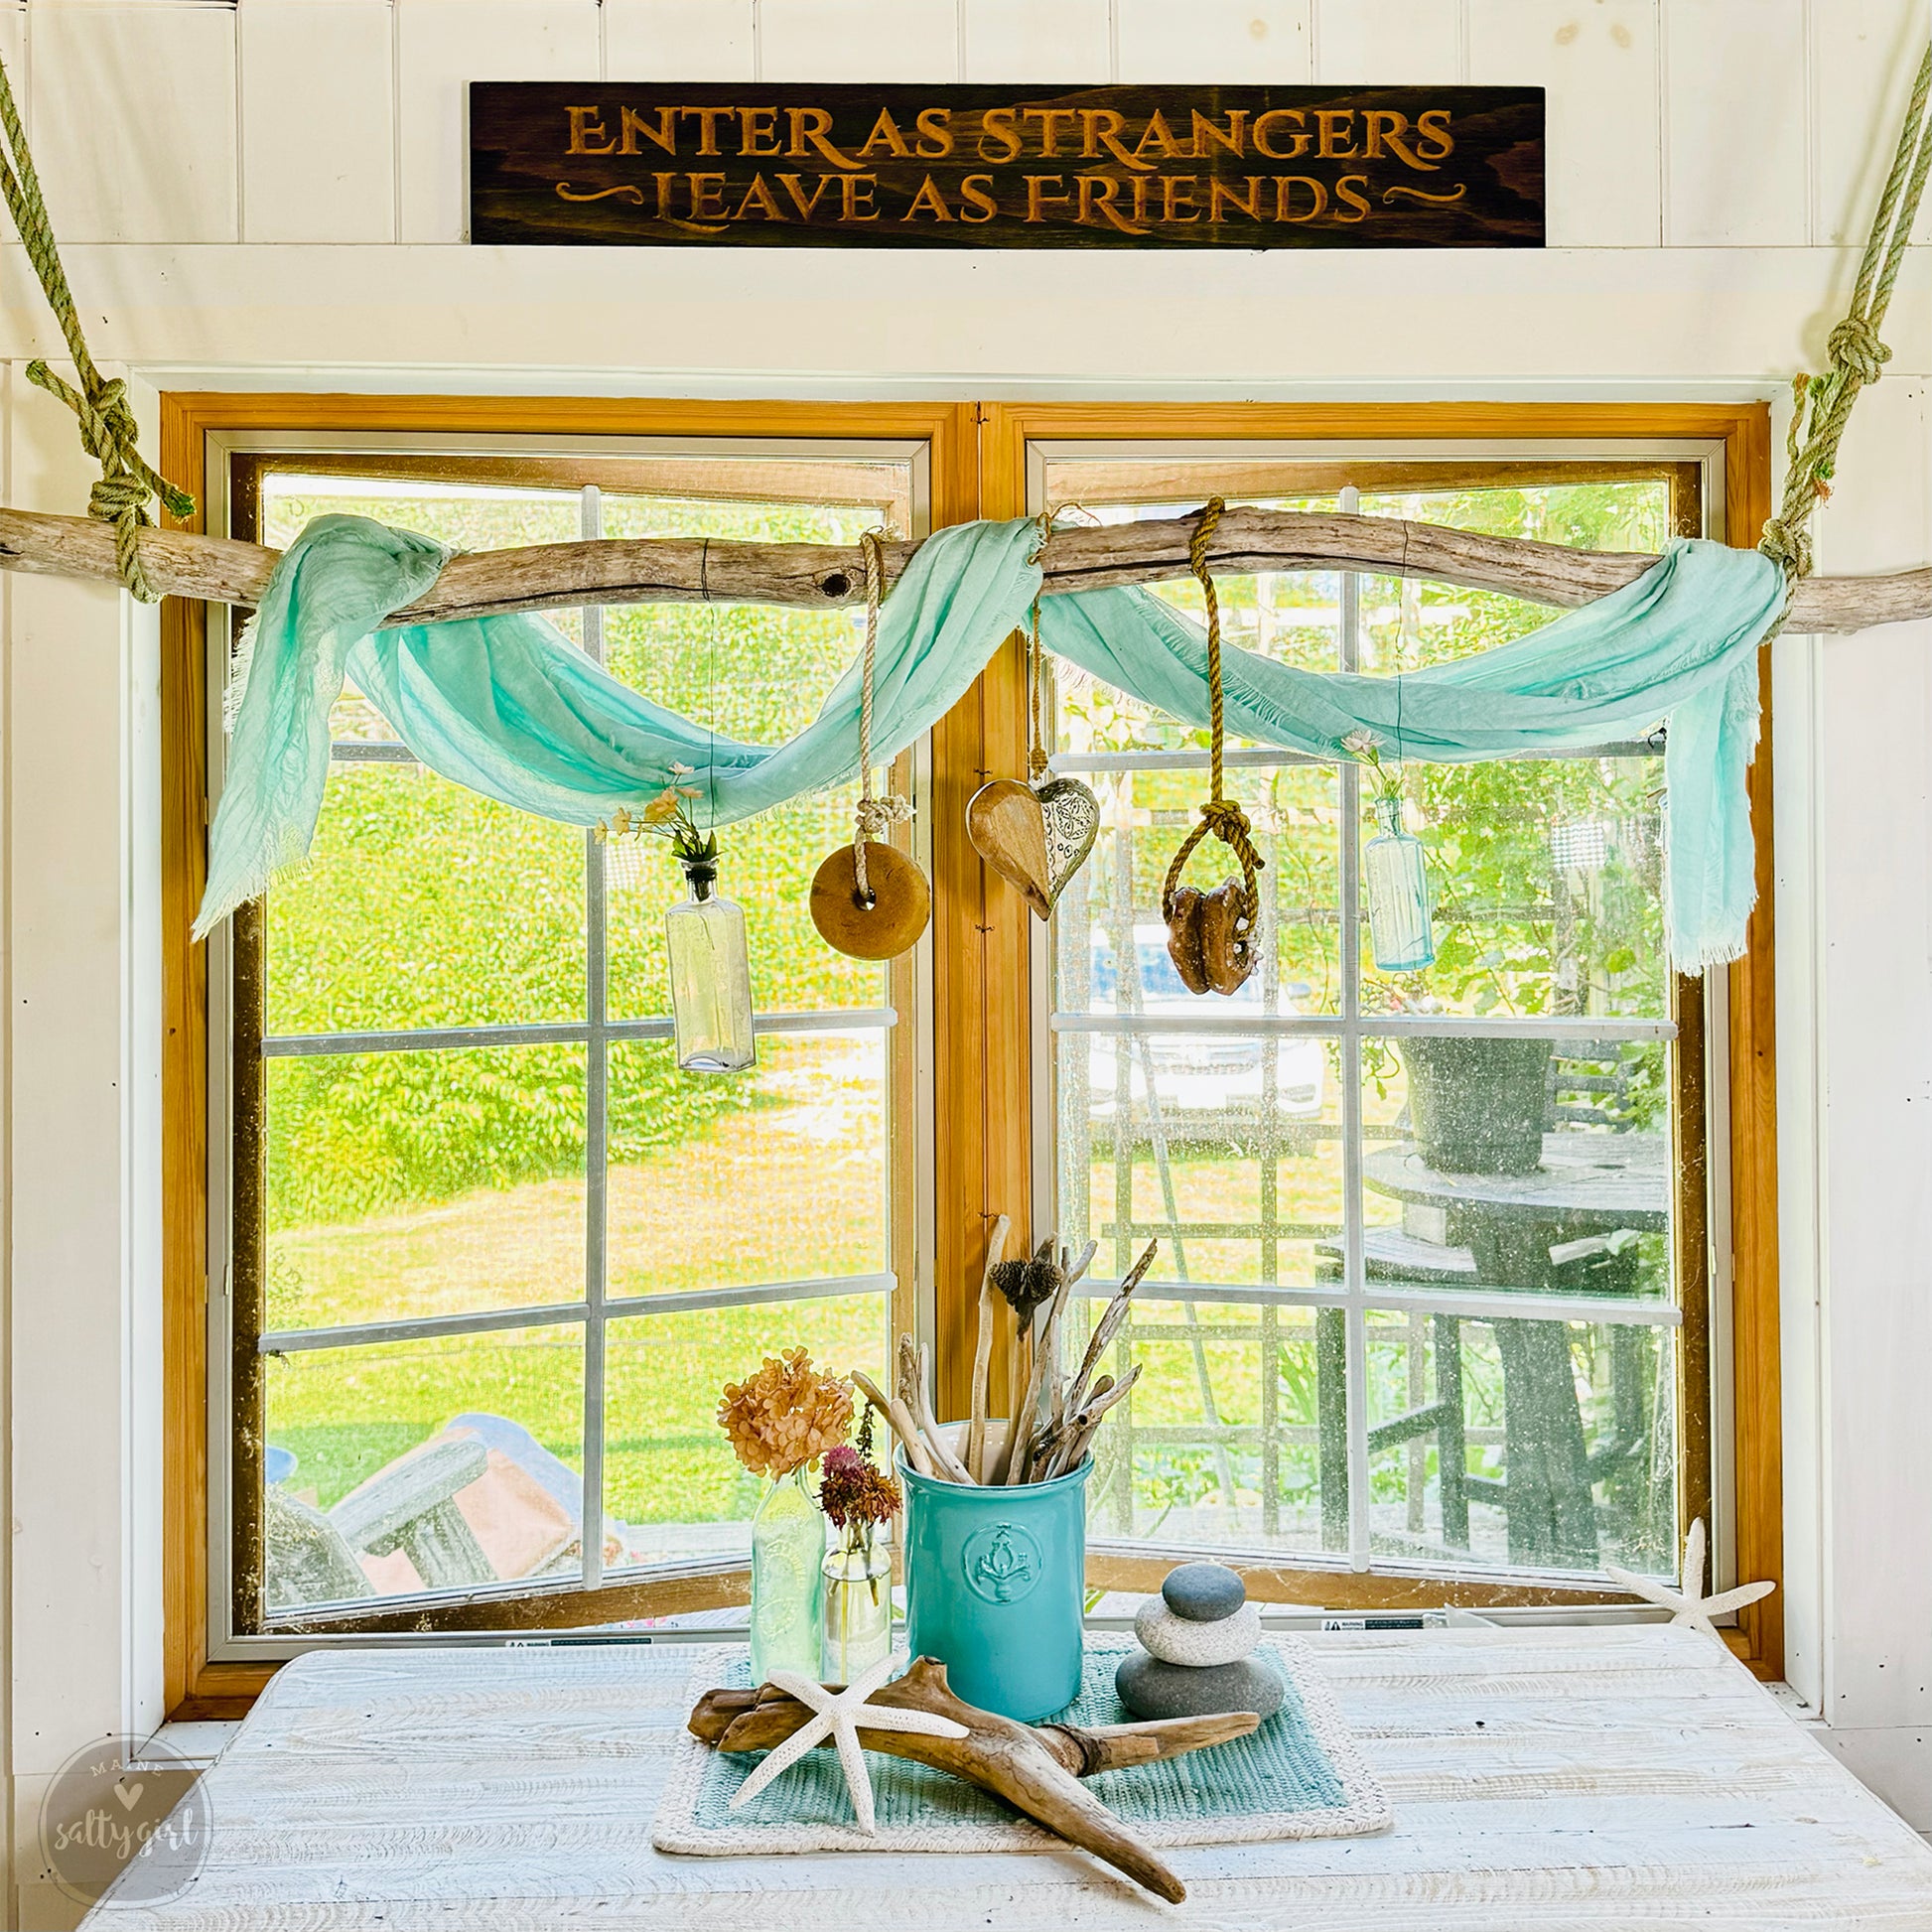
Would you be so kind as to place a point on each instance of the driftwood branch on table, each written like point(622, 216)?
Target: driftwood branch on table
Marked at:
point(684, 570)
point(1035, 1768)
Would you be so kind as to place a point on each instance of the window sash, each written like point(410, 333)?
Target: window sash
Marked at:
point(596, 1032)
point(1355, 1296)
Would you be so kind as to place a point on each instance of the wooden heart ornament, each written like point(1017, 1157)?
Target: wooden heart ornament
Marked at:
point(1072, 816)
point(1008, 828)
point(1036, 837)
point(1207, 938)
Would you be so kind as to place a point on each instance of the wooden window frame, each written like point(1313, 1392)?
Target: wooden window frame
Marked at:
point(982, 1104)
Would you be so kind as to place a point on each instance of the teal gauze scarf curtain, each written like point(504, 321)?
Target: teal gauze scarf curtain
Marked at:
point(509, 707)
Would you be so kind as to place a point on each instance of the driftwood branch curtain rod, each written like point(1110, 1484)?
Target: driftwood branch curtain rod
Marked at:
point(685, 569)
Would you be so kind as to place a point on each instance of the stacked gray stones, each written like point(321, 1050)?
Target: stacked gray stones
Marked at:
point(1197, 1654)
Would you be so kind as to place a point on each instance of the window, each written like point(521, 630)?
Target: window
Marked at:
point(495, 1254)
point(451, 1201)
point(1372, 1337)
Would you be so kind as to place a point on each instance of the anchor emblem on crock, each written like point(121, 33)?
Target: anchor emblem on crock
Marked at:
point(1002, 1563)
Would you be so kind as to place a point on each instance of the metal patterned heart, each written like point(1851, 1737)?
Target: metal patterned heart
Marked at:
point(1072, 816)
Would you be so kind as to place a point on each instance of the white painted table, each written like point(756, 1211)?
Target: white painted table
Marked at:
point(1542, 1780)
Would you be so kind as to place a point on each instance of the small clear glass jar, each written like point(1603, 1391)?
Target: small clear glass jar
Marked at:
point(857, 1629)
point(711, 977)
point(1399, 931)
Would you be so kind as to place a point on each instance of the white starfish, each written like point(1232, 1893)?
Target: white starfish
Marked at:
point(838, 1718)
point(1690, 1605)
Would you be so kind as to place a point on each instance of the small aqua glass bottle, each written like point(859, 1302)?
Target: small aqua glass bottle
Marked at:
point(1399, 931)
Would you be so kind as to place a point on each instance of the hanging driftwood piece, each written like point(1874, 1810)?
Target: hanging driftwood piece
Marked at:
point(1036, 1769)
point(1211, 935)
point(812, 576)
point(869, 901)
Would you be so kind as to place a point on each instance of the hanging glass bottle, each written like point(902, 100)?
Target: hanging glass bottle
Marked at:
point(710, 972)
point(1399, 929)
point(788, 1580)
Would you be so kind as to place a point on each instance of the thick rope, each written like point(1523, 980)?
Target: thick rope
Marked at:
point(874, 815)
point(1037, 752)
point(1221, 815)
point(1855, 356)
point(107, 426)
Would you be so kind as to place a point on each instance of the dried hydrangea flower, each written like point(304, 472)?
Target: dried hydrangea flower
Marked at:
point(855, 1495)
point(785, 1416)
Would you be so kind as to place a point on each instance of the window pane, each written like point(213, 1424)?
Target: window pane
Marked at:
point(473, 516)
point(429, 1464)
point(1520, 1165)
point(1109, 943)
point(1545, 885)
point(766, 864)
point(406, 1184)
point(1227, 1148)
point(670, 1477)
point(1561, 1435)
point(1231, 1433)
point(426, 905)
point(777, 1174)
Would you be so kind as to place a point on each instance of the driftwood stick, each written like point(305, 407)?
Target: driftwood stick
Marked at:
point(1037, 1771)
point(901, 1418)
point(915, 1370)
point(1050, 1459)
point(1108, 1325)
point(692, 569)
point(1046, 1355)
point(975, 1456)
point(1106, 1392)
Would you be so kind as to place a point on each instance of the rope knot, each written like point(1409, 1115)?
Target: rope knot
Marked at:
point(1854, 345)
point(1228, 822)
point(1787, 543)
point(875, 816)
point(108, 434)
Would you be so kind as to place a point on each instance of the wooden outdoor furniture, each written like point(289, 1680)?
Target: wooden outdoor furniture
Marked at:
point(310, 1556)
point(1589, 1184)
point(1543, 1780)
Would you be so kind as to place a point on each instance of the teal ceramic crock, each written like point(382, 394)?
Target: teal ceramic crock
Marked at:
point(995, 1588)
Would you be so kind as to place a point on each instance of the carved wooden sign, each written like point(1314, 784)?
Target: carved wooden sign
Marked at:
point(1003, 167)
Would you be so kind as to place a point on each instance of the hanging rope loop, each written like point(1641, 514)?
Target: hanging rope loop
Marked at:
point(874, 816)
point(1856, 355)
point(108, 430)
point(1221, 817)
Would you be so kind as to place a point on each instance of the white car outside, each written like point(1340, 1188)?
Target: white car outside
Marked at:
point(1196, 1073)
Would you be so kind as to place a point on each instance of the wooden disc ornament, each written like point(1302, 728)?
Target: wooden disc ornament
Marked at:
point(1211, 936)
point(877, 924)
point(870, 901)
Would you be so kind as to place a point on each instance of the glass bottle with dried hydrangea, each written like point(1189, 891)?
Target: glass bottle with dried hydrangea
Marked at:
point(860, 1498)
point(782, 1421)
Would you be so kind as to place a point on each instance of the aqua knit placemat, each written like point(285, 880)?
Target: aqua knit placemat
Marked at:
point(1299, 1775)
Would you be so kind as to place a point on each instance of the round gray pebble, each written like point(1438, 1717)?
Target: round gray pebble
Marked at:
point(1151, 1689)
point(1204, 1592)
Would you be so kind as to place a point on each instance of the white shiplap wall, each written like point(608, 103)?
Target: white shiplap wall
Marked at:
point(271, 194)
